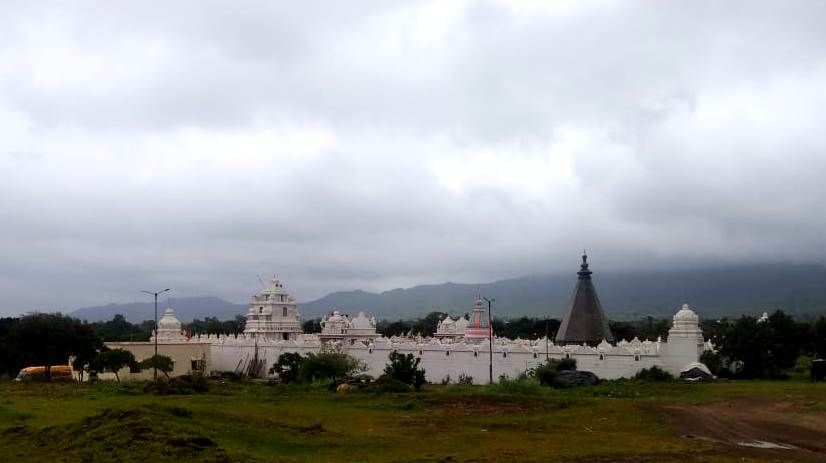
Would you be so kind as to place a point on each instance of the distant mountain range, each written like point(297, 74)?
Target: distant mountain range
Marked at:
point(186, 308)
point(720, 291)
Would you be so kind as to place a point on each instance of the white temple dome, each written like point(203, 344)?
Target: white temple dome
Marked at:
point(685, 314)
point(361, 322)
point(169, 321)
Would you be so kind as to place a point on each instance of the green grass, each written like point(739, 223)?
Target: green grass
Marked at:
point(256, 422)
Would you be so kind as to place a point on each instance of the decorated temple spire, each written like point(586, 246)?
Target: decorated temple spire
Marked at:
point(584, 273)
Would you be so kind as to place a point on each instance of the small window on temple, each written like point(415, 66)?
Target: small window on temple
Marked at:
point(534, 355)
point(260, 310)
point(420, 352)
point(447, 353)
point(369, 351)
point(286, 336)
point(601, 357)
point(504, 354)
point(567, 356)
point(475, 354)
point(284, 312)
point(636, 358)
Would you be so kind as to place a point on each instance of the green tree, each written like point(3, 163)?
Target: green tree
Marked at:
point(211, 325)
point(819, 337)
point(427, 326)
point(116, 359)
point(312, 325)
point(761, 348)
point(287, 367)
point(405, 368)
point(9, 363)
point(50, 339)
point(119, 329)
point(328, 365)
point(159, 362)
point(396, 328)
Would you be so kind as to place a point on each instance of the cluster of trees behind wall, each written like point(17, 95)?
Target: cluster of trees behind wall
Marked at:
point(751, 347)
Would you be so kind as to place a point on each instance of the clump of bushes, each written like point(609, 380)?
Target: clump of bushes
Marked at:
point(655, 374)
point(521, 385)
point(547, 373)
point(293, 368)
point(402, 374)
point(179, 385)
point(465, 380)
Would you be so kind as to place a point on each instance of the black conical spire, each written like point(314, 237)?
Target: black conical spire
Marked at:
point(585, 321)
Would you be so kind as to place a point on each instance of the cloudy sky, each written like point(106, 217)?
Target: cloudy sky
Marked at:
point(374, 145)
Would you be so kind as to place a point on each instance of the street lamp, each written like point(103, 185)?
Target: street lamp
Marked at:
point(156, 321)
point(490, 335)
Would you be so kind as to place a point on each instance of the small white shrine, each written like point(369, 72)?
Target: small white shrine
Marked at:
point(338, 326)
point(451, 329)
point(169, 328)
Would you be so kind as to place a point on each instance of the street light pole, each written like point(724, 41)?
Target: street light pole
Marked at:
point(156, 322)
point(490, 335)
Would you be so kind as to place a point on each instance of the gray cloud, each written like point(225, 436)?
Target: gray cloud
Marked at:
point(373, 145)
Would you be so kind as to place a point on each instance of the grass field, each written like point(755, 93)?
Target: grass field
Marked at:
point(625, 421)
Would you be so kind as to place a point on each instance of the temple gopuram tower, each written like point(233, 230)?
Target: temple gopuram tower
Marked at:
point(273, 314)
point(585, 322)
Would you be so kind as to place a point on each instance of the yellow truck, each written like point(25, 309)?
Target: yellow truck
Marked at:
point(59, 373)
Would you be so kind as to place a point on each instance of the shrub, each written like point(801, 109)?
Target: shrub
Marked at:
point(523, 385)
point(322, 367)
point(287, 367)
point(464, 379)
point(564, 364)
point(328, 366)
point(546, 373)
point(713, 361)
point(388, 384)
point(179, 385)
point(655, 374)
point(405, 368)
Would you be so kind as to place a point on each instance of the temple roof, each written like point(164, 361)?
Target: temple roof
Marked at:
point(585, 321)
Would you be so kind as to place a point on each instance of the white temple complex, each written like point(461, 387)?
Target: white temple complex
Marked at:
point(273, 328)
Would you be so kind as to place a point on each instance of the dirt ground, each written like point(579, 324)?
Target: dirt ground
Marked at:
point(784, 429)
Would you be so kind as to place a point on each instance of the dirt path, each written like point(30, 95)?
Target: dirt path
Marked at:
point(779, 429)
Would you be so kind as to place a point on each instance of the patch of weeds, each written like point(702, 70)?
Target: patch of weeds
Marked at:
point(174, 410)
point(14, 415)
point(110, 388)
point(519, 386)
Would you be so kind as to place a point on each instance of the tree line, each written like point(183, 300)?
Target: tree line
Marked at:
point(746, 347)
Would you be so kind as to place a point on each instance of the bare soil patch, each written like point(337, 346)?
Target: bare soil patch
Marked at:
point(778, 429)
point(484, 406)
